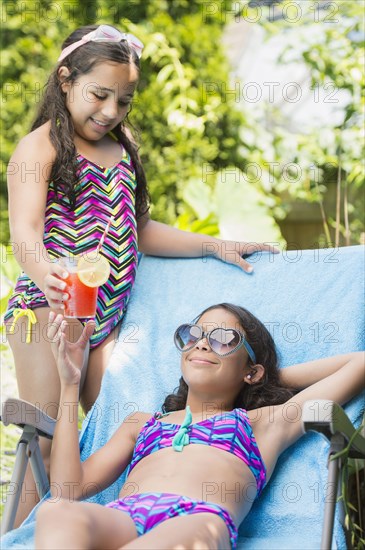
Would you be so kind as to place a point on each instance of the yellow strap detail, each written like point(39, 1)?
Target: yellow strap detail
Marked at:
point(32, 320)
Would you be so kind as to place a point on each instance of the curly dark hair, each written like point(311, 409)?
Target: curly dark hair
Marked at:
point(268, 391)
point(53, 108)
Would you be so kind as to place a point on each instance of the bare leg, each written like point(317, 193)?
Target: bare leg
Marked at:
point(38, 383)
point(82, 526)
point(203, 531)
point(98, 362)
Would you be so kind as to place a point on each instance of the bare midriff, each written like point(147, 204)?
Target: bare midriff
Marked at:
point(199, 472)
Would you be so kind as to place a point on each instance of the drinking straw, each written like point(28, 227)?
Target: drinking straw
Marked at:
point(104, 235)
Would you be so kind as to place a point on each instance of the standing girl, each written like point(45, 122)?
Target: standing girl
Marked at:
point(82, 168)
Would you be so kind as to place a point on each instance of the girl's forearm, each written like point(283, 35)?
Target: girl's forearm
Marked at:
point(158, 239)
point(66, 467)
point(31, 255)
point(305, 374)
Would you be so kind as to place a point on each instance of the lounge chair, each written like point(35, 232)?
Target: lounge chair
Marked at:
point(312, 302)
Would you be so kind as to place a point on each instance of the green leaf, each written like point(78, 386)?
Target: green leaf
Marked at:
point(165, 73)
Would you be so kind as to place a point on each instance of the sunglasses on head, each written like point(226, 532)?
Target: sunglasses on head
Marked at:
point(104, 33)
point(221, 341)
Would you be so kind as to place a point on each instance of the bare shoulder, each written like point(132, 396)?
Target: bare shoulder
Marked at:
point(28, 175)
point(141, 417)
point(136, 421)
point(35, 147)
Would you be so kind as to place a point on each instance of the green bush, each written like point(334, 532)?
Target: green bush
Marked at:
point(182, 128)
point(189, 125)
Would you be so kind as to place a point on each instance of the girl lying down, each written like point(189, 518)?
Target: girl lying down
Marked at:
point(227, 424)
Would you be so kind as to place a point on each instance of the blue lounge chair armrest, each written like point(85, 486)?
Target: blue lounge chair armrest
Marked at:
point(329, 419)
point(21, 413)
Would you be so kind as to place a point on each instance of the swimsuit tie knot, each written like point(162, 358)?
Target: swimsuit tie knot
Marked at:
point(32, 320)
point(182, 438)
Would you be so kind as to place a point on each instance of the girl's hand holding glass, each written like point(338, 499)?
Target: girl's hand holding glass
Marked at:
point(55, 286)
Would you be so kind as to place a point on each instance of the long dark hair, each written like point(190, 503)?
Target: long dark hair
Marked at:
point(53, 108)
point(268, 391)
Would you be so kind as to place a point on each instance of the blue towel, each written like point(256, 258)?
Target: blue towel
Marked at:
point(312, 302)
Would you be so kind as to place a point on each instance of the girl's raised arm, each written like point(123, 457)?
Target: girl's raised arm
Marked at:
point(337, 378)
point(71, 478)
point(302, 375)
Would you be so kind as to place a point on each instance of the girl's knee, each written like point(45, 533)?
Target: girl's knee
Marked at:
point(62, 512)
point(59, 510)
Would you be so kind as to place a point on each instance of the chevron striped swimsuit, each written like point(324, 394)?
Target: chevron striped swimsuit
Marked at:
point(99, 193)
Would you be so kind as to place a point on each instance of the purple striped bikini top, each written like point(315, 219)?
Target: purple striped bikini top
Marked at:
point(230, 431)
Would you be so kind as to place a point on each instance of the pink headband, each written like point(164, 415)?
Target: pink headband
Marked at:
point(104, 33)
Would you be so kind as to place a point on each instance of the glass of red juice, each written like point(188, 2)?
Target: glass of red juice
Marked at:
point(82, 298)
